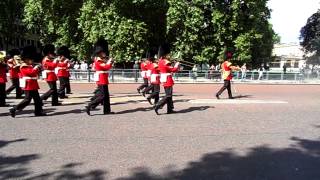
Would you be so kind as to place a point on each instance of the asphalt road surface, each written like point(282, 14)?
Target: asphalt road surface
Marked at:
point(270, 132)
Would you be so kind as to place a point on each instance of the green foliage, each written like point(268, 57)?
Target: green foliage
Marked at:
point(310, 35)
point(198, 30)
point(10, 26)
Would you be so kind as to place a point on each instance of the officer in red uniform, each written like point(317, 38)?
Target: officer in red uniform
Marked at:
point(166, 79)
point(49, 64)
point(29, 83)
point(14, 71)
point(227, 69)
point(144, 74)
point(102, 64)
point(3, 79)
point(155, 82)
point(62, 70)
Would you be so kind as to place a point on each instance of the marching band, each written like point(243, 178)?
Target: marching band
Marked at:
point(55, 66)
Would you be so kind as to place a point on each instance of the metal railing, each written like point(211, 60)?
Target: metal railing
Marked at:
point(132, 75)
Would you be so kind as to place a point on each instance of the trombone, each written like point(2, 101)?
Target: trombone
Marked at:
point(184, 63)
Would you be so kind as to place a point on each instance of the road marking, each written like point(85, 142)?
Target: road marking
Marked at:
point(235, 101)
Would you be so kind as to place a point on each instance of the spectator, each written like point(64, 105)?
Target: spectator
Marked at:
point(211, 71)
point(261, 69)
point(195, 72)
point(243, 72)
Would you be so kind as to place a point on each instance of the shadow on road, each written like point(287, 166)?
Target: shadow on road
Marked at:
point(242, 96)
point(301, 161)
point(17, 167)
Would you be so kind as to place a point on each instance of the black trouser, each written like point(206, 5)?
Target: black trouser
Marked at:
point(155, 93)
point(226, 85)
point(101, 96)
point(29, 95)
point(68, 87)
point(15, 85)
point(145, 84)
point(63, 86)
point(3, 94)
point(167, 99)
point(51, 92)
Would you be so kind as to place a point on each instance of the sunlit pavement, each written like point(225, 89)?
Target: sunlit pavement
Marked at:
point(267, 132)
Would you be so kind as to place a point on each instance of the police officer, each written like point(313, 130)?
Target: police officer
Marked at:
point(62, 70)
point(3, 79)
point(227, 69)
point(166, 78)
point(29, 83)
point(102, 64)
point(49, 64)
point(14, 70)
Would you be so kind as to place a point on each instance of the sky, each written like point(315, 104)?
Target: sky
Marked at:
point(289, 16)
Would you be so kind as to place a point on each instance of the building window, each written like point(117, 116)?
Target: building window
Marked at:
point(28, 42)
point(22, 42)
point(32, 42)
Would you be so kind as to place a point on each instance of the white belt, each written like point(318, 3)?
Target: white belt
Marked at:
point(27, 78)
point(166, 74)
point(47, 71)
point(101, 72)
point(61, 68)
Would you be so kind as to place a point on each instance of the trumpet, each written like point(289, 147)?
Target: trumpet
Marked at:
point(184, 63)
point(17, 61)
point(2, 56)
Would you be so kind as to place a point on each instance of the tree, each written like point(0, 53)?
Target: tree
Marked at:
point(310, 37)
point(11, 26)
point(203, 30)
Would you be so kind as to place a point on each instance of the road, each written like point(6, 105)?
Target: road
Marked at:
point(268, 132)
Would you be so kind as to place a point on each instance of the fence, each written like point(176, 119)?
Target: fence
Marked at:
point(132, 75)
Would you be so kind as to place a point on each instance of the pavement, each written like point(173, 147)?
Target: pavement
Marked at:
point(269, 132)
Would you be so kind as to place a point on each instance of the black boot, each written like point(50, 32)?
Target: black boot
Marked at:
point(12, 112)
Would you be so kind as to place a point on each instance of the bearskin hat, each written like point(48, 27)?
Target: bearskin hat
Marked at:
point(48, 49)
point(29, 52)
point(164, 50)
point(63, 51)
point(14, 52)
point(228, 55)
point(101, 46)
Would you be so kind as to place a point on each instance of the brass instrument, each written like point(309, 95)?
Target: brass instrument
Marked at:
point(184, 63)
point(17, 61)
point(2, 56)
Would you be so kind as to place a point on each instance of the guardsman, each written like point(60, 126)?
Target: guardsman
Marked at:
point(166, 72)
point(227, 69)
point(49, 64)
point(102, 65)
point(3, 79)
point(62, 70)
point(148, 70)
point(155, 82)
point(29, 83)
point(14, 71)
point(144, 74)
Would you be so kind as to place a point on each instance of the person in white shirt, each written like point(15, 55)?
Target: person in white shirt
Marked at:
point(243, 72)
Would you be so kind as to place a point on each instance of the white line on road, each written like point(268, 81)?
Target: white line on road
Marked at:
point(234, 101)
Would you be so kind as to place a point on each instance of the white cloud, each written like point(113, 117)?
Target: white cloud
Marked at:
point(289, 16)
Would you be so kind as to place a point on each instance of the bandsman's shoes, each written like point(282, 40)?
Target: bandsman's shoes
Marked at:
point(41, 114)
point(149, 100)
point(12, 112)
point(217, 96)
point(88, 110)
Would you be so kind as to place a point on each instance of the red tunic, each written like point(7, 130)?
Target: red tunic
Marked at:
point(226, 71)
point(63, 68)
point(30, 74)
point(155, 73)
point(166, 71)
point(49, 65)
point(3, 75)
point(144, 69)
point(101, 74)
point(14, 71)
